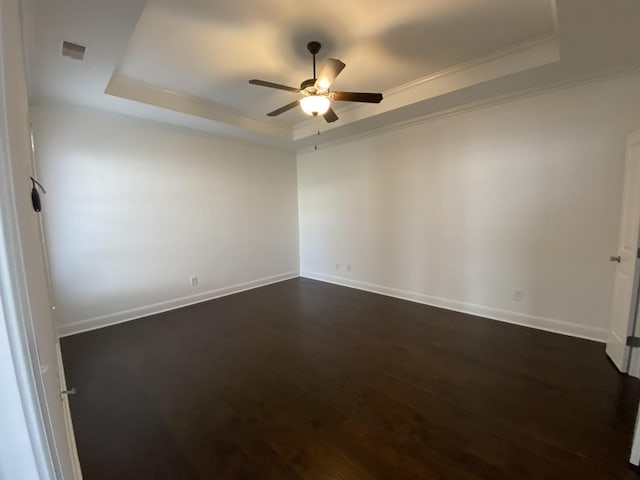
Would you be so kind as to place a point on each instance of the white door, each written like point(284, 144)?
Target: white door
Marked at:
point(624, 299)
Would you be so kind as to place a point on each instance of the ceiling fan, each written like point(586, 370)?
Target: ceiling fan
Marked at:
point(316, 96)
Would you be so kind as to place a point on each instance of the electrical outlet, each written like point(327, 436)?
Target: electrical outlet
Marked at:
point(348, 268)
point(518, 295)
point(337, 266)
point(194, 281)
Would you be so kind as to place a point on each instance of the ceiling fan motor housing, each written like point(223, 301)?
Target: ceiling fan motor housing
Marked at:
point(310, 82)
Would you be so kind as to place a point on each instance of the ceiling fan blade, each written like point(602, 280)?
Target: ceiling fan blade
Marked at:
point(330, 71)
point(330, 116)
point(280, 110)
point(263, 83)
point(357, 97)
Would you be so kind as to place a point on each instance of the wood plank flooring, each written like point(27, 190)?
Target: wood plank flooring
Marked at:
point(306, 380)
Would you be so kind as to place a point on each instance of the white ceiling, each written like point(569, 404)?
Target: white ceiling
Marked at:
point(189, 62)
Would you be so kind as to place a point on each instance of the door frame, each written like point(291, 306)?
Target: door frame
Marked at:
point(31, 451)
point(16, 313)
point(634, 458)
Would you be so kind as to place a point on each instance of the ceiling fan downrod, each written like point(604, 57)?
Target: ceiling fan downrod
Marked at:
point(314, 48)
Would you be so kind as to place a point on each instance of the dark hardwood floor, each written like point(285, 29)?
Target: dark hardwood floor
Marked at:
point(303, 379)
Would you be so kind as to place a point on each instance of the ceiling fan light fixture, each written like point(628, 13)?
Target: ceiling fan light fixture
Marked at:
point(316, 97)
point(315, 104)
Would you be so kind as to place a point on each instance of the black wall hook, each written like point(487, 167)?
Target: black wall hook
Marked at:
point(35, 196)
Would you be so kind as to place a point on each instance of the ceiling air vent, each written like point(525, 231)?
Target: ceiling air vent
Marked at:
point(73, 50)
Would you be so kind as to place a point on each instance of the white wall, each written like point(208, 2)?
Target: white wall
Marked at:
point(135, 208)
point(461, 211)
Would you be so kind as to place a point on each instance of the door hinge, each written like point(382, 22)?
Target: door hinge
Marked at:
point(633, 342)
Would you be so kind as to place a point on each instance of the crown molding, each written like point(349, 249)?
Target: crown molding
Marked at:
point(138, 91)
point(517, 58)
point(546, 46)
point(474, 106)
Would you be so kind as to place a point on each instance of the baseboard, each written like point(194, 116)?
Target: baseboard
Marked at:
point(525, 320)
point(532, 321)
point(145, 311)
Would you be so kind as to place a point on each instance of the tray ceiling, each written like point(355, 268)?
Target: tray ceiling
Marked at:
point(211, 49)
